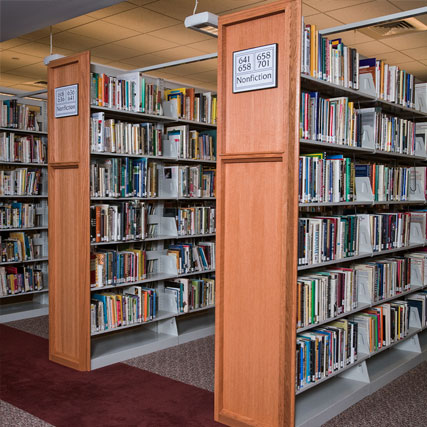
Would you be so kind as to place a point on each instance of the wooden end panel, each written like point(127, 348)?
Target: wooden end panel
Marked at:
point(245, 132)
point(69, 211)
point(251, 282)
point(257, 219)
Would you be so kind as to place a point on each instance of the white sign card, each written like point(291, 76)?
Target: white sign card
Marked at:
point(255, 68)
point(67, 101)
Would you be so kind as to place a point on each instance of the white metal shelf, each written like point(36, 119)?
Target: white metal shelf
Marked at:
point(15, 130)
point(42, 291)
point(118, 199)
point(151, 239)
point(361, 256)
point(22, 310)
point(4, 230)
point(43, 259)
point(151, 157)
point(37, 165)
point(367, 203)
point(16, 196)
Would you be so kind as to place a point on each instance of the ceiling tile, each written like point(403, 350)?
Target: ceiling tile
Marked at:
point(33, 72)
point(183, 8)
point(76, 42)
point(415, 67)
point(111, 10)
point(325, 6)
point(104, 31)
point(144, 60)
point(12, 79)
point(408, 4)
point(122, 65)
point(193, 68)
point(208, 46)
point(373, 48)
point(99, 59)
point(71, 23)
point(417, 53)
point(141, 20)
point(36, 35)
point(114, 52)
point(179, 52)
point(409, 40)
point(10, 44)
point(360, 12)
point(243, 5)
point(424, 61)
point(141, 2)
point(146, 43)
point(395, 57)
point(27, 88)
point(178, 33)
point(308, 10)
point(351, 38)
point(207, 76)
point(41, 50)
point(322, 21)
point(7, 61)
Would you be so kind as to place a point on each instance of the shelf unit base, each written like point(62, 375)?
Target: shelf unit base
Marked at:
point(134, 342)
point(320, 404)
point(22, 310)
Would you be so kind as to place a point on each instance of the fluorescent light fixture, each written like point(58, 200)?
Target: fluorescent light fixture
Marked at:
point(204, 22)
point(52, 57)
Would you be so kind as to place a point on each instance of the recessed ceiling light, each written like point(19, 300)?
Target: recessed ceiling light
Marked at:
point(15, 57)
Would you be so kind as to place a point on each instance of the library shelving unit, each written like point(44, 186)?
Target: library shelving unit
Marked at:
point(258, 210)
point(18, 304)
point(72, 341)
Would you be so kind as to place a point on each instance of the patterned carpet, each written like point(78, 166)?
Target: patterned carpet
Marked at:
point(401, 402)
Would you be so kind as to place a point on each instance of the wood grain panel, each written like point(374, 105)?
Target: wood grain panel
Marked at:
point(69, 205)
point(257, 217)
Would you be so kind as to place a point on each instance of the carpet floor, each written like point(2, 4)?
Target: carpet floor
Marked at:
point(403, 402)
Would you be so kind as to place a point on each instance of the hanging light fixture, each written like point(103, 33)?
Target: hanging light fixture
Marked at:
point(52, 56)
point(204, 22)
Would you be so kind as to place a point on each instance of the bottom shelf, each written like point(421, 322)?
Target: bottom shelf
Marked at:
point(22, 310)
point(319, 404)
point(133, 342)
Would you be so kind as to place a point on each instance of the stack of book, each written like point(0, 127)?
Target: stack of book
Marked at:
point(190, 258)
point(333, 120)
point(389, 81)
point(17, 280)
point(326, 350)
point(384, 324)
point(114, 310)
point(130, 92)
point(18, 215)
point(19, 116)
point(113, 267)
point(20, 182)
point(19, 148)
point(191, 294)
point(329, 60)
point(192, 220)
point(111, 136)
point(18, 246)
point(118, 222)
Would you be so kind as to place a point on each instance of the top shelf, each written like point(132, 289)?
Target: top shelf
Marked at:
point(15, 130)
point(151, 117)
point(330, 89)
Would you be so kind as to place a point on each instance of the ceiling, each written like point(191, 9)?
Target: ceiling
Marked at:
point(140, 33)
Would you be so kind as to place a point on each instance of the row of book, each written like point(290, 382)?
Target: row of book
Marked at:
point(419, 302)
point(115, 136)
point(191, 257)
point(20, 148)
point(133, 92)
point(334, 62)
point(322, 239)
point(336, 121)
point(109, 310)
point(19, 116)
point(331, 178)
point(191, 144)
point(326, 294)
point(328, 60)
point(192, 220)
point(333, 120)
point(119, 222)
point(129, 91)
point(18, 215)
point(389, 133)
point(19, 246)
point(20, 182)
point(191, 294)
point(18, 280)
point(123, 177)
point(325, 350)
point(111, 267)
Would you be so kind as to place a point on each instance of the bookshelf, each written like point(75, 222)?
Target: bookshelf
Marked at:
point(79, 166)
point(256, 363)
point(23, 209)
